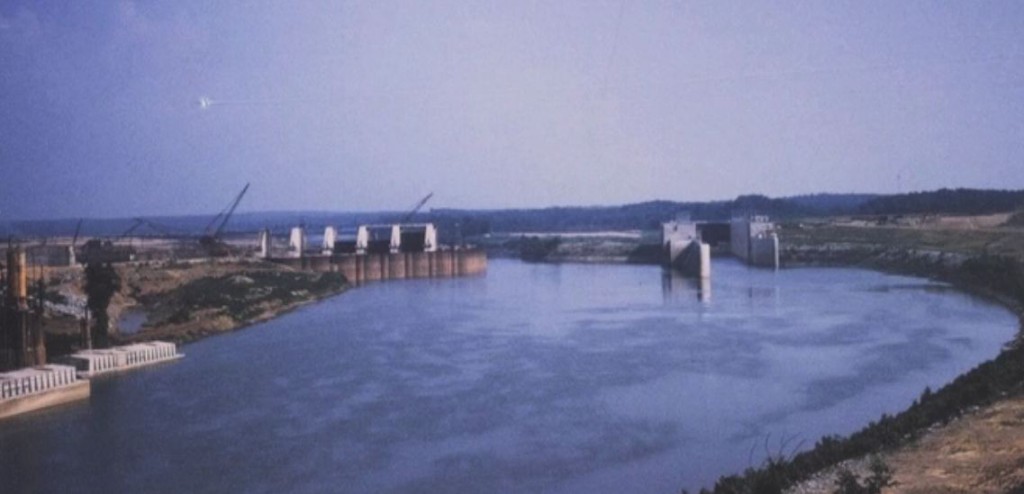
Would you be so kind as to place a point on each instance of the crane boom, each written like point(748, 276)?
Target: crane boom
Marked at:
point(78, 228)
point(224, 222)
point(137, 223)
point(416, 208)
point(210, 241)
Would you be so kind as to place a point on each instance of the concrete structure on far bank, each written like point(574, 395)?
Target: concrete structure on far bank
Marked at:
point(753, 239)
point(684, 250)
point(378, 252)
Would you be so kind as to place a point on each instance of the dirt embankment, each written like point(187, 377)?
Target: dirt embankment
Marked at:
point(185, 301)
point(969, 436)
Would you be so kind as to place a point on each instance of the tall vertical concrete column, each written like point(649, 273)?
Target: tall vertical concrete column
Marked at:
point(297, 241)
point(330, 237)
point(264, 252)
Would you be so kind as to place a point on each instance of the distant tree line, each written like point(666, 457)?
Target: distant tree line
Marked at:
point(456, 224)
point(947, 201)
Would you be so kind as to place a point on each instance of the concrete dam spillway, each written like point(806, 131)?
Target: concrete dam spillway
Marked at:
point(377, 253)
point(363, 268)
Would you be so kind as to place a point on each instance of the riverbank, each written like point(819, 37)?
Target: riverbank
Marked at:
point(186, 301)
point(966, 437)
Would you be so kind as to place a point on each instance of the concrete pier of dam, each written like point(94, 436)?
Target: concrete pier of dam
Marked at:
point(684, 249)
point(364, 268)
point(377, 253)
point(753, 239)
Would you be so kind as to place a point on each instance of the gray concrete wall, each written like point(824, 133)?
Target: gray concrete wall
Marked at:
point(754, 241)
point(359, 269)
point(694, 260)
point(764, 250)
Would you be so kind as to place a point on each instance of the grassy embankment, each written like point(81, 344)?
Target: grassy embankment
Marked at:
point(184, 302)
point(987, 262)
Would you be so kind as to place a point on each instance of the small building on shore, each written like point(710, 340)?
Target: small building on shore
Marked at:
point(42, 386)
point(95, 362)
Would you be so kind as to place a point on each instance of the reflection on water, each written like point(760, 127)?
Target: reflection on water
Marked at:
point(677, 288)
point(535, 378)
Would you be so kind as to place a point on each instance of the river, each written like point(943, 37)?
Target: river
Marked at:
point(535, 378)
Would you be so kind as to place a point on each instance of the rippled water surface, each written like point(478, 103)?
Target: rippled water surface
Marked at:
point(535, 378)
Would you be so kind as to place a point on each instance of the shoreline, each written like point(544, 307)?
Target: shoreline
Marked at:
point(992, 381)
point(994, 278)
point(954, 269)
point(183, 336)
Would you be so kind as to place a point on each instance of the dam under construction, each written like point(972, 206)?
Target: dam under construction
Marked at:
point(375, 253)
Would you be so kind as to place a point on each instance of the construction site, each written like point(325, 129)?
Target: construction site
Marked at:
point(163, 283)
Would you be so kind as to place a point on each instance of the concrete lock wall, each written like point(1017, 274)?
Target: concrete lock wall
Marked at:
point(754, 241)
point(739, 241)
point(764, 250)
point(694, 260)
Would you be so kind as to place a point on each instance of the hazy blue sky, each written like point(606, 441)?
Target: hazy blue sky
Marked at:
point(371, 105)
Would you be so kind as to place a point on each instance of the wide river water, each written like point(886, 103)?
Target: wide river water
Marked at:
point(534, 378)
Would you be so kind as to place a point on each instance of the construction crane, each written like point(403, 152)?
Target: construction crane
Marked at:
point(78, 229)
point(408, 216)
point(210, 240)
point(137, 223)
point(161, 230)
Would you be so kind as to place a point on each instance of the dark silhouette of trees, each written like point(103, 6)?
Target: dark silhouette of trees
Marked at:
point(948, 201)
point(101, 283)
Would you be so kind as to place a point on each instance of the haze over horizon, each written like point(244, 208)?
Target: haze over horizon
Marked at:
point(119, 109)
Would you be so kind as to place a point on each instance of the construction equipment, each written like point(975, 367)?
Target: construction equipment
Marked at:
point(78, 229)
point(416, 208)
point(210, 240)
point(137, 222)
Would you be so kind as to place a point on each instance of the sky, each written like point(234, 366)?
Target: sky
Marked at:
point(114, 109)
